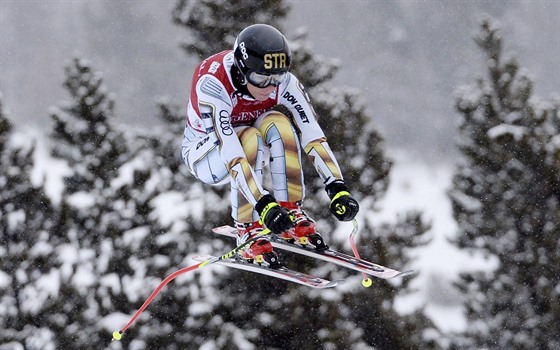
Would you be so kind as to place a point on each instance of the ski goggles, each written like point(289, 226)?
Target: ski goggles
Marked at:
point(263, 80)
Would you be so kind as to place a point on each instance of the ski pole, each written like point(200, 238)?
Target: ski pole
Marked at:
point(117, 335)
point(366, 281)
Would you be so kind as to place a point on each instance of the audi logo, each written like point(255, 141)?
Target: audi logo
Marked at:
point(225, 124)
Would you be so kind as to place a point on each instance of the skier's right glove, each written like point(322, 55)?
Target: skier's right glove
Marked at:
point(276, 218)
point(342, 206)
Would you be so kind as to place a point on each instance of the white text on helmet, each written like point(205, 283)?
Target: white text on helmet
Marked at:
point(243, 50)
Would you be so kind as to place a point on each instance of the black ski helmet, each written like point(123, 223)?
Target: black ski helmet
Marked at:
point(262, 49)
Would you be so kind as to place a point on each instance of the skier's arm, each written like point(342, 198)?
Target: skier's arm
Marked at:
point(313, 140)
point(343, 206)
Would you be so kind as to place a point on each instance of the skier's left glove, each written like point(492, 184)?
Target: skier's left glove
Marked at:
point(342, 206)
point(275, 217)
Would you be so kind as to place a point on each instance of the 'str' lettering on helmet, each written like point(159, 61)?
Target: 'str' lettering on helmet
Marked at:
point(275, 60)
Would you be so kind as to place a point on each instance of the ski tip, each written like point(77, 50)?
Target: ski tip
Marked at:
point(406, 273)
point(222, 229)
point(331, 284)
point(202, 258)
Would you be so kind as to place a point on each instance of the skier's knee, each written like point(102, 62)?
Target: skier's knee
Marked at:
point(252, 143)
point(276, 124)
point(279, 118)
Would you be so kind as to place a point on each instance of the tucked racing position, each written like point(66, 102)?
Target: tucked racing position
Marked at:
point(235, 131)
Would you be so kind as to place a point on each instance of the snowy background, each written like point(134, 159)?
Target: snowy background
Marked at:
point(414, 186)
point(406, 56)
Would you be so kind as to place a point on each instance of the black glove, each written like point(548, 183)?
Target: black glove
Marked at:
point(276, 218)
point(343, 206)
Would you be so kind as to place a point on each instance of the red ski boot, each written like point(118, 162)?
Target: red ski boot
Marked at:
point(260, 251)
point(304, 231)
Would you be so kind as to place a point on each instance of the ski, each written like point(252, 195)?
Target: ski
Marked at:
point(281, 273)
point(328, 255)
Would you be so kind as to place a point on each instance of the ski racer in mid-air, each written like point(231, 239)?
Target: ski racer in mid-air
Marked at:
point(235, 130)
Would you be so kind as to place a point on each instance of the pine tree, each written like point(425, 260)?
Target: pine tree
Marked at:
point(366, 171)
point(264, 312)
point(5, 128)
point(31, 272)
point(83, 134)
point(218, 22)
point(506, 200)
point(168, 189)
point(108, 195)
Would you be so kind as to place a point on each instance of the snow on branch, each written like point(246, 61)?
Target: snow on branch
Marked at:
point(507, 129)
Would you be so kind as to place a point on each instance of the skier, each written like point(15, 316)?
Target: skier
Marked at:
point(235, 128)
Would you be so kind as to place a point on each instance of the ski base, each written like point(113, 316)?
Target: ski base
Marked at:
point(328, 255)
point(281, 273)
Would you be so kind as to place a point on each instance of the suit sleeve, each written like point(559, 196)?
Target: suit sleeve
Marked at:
point(312, 137)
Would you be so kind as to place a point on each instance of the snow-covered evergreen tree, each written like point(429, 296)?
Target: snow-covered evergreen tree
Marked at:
point(5, 127)
point(176, 228)
point(217, 22)
point(506, 200)
point(31, 275)
point(261, 312)
point(84, 137)
point(109, 193)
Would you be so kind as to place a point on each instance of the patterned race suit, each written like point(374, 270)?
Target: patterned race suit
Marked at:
point(230, 136)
